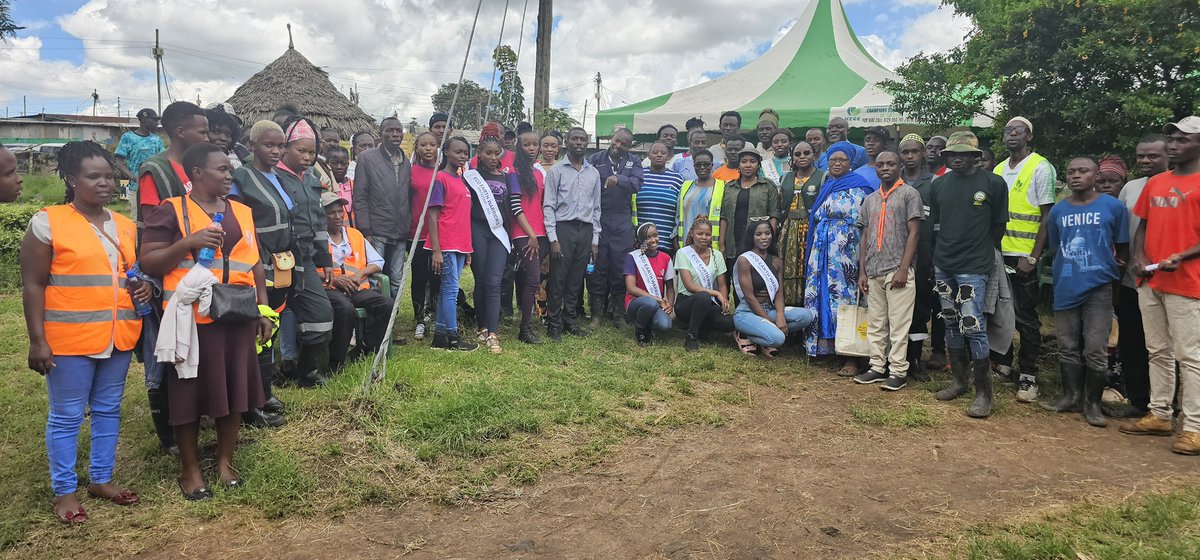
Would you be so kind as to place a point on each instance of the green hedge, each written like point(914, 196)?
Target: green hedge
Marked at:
point(14, 220)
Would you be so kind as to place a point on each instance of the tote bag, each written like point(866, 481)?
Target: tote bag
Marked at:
point(851, 338)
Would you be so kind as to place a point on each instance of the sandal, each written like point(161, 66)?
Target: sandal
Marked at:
point(201, 493)
point(744, 344)
point(125, 497)
point(769, 351)
point(849, 369)
point(72, 517)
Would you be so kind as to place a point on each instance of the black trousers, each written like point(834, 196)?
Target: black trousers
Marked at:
point(925, 312)
point(606, 286)
point(1135, 359)
point(567, 272)
point(379, 309)
point(701, 315)
point(306, 298)
point(1026, 296)
point(425, 284)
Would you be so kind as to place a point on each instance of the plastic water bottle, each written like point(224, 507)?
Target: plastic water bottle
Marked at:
point(591, 266)
point(206, 255)
point(133, 280)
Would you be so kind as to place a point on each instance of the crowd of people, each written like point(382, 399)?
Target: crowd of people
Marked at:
point(251, 251)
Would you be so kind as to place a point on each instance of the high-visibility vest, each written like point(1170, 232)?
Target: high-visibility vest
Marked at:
point(357, 259)
point(87, 304)
point(1024, 218)
point(714, 210)
point(241, 260)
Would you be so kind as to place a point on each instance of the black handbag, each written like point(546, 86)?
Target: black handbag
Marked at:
point(231, 303)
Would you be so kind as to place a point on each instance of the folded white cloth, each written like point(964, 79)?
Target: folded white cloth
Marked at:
point(177, 338)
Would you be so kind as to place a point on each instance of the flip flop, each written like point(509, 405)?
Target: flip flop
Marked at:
point(744, 344)
point(770, 351)
point(201, 493)
point(125, 497)
point(73, 517)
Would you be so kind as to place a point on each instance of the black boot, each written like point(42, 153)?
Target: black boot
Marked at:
point(256, 418)
point(981, 370)
point(158, 414)
point(308, 369)
point(691, 343)
point(272, 405)
point(528, 337)
point(960, 362)
point(1072, 384)
point(916, 371)
point(618, 315)
point(1093, 389)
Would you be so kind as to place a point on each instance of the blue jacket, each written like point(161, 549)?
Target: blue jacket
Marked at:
point(616, 203)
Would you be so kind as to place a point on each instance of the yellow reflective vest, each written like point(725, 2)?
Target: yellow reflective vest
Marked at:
point(1024, 218)
point(714, 211)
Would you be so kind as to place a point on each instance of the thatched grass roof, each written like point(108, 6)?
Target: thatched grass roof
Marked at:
point(292, 79)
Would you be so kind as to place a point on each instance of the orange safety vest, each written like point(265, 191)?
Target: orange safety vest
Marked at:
point(241, 261)
point(87, 305)
point(357, 259)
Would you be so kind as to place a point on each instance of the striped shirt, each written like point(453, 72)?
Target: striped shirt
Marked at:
point(657, 203)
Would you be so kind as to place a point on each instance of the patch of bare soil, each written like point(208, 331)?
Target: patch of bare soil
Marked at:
point(791, 475)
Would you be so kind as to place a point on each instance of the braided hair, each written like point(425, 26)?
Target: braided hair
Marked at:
point(70, 159)
point(643, 232)
point(698, 222)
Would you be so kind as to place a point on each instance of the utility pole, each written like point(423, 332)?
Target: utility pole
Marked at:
point(541, 73)
point(598, 82)
point(118, 106)
point(158, 53)
point(585, 105)
point(24, 105)
point(95, 100)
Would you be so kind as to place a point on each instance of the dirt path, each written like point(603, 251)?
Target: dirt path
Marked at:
point(791, 475)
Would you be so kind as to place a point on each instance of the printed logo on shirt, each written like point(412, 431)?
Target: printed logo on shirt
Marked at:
point(979, 197)
point(629, 164)
point(811, 190)
point(1166, 201)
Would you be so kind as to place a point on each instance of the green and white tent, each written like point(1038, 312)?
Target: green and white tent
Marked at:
point(817, 71)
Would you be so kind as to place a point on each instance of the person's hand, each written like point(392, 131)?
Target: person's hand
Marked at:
point(531, 250)
point(555, 250)
point(1171, 263)
point(724, 301)
point(265, 326)
point(862, 282)
point(610, 182)
point(1139, 267)
point(41, 359)
point(327, 276)
point(435, 262)
point(345, 284)
point(899, 279)
point(595, 251)
point(781, 321)
point(1024, 268)
point(209, 237)
point(467, 263)
point(143, 293)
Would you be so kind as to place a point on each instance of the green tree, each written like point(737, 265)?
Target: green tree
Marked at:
point(510, 98)
point(472, 103)
point(1093, 76)
point(552, 118)
point(8, 28)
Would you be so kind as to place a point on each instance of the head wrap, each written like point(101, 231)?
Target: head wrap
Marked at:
point(1114, 164)
point(299, 130)
point(916, 137)
point(491, 131)
point(1021, 120)
point(769, 115)
point(262, 127)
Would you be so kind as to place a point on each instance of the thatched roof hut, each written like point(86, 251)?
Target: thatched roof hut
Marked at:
point(292, 79)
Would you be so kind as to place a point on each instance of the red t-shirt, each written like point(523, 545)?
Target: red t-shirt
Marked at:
point(421, 178)
point(663, 271)
point(148, 192)
point(532, 208)
point(506, 162)
point(1170, 206)
point(453, 196)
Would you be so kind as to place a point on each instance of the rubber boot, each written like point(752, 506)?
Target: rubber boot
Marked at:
point(1093, 389)
point(981, 370)
point(961, 364)
point(308, 369)
point(158, 414)
point(1072, 385)
point(272, 405)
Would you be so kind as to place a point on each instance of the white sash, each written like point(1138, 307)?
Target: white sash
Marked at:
point(772, 174)
point(702, 275)
point(768, 277)
point(490, 209)
point(646, 272)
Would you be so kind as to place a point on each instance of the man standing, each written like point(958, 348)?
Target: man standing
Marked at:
point(437, 126)
point(571, 210)
point(621, 176)
point(914, 174)
point(330, 138)
point(10, 178)
point(668, 135)
point(768, 123)
point(730, 125)
point(968, 211)
point(1135, 374)
point(1166, 248)
point(815, 138)
point(838, 129)
point(135, 147)
point(729, 172)
point(162, 176)
point(933, 156)
point(382, 205)
point(876, 141)
point(1030, 180)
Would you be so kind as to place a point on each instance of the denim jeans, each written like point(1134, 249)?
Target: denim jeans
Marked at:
point(393, 252)
point(646, 313)
point(763, 332)
point(289, 331)
point(962, 311)
point(487, 265)
point(75, 384)
point(447, 306)
point(1083, 331)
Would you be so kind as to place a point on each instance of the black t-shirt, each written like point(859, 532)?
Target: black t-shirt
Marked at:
point(964, 209)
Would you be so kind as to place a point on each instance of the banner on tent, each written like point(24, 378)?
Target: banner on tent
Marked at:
point(868, 115)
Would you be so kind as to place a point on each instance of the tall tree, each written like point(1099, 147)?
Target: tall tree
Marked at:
point(472, 103)
point(552, 118)
point(510, 98)
point(1093, 76)
point(8, 28)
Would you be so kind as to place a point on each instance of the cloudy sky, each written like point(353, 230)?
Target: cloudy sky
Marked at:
point(396, 52)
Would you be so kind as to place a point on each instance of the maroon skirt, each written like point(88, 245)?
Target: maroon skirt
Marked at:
point(228, 381)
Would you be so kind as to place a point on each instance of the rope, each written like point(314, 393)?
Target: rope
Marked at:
point(379, 365)
point(488, 108)
point(520, 43)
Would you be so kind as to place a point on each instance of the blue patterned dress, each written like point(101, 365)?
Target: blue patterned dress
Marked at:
point(832, 274)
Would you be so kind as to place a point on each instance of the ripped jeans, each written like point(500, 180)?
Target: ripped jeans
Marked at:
point(962, 311)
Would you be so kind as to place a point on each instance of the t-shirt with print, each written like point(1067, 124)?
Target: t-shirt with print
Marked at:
point(716, 267)
point(1170, 205)
point(453, 196)
point(964, 209)
point(499, 185)
point(663, 271)
point(885, 246)
point(1086, 236)
point(136, 149)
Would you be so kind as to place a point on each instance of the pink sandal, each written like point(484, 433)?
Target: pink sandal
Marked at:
point(744, 343)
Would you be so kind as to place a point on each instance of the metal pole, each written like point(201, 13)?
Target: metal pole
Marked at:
point(158, 52)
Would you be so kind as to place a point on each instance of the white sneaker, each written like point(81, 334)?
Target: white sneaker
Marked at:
point(420, 333)
point(493, 343)
point(1027, 389)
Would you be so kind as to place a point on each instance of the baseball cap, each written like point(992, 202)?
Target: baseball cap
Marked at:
point(963, 142)
point(880, 132)
point(749, 151)
point(147, 112)
point(1186, 125)
point(328, 198)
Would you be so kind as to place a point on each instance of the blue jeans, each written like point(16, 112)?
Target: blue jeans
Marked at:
point(647, 314)
point(74, 384)
point(763, 332)
point(447, 306)
point(289, 332)
point(962, 311)
point(393, 252)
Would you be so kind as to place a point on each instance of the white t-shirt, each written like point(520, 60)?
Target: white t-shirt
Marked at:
point(1130, 195)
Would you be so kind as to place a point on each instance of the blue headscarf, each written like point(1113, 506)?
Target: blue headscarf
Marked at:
point(856, 153)
point(833, 185)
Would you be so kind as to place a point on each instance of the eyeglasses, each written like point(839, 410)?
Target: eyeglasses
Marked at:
point(1016, 129)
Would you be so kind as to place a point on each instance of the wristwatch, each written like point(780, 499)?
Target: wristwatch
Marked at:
point(1031, 260)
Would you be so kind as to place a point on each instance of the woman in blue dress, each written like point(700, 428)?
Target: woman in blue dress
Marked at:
point(832, 249)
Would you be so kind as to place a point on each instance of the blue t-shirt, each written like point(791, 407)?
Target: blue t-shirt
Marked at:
point(870, 175)
point(136, 149)
point(1086, 237)
point(658, 203)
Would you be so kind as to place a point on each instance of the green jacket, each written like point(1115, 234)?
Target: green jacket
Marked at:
point(763, 204)
point(166, 181)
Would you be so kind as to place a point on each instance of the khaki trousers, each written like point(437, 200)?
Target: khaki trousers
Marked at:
point(889, 316)
point(1172, 325)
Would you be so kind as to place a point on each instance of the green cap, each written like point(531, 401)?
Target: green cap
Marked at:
point(963, 142)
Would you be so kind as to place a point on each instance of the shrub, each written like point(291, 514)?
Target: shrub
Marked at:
point(14, 219)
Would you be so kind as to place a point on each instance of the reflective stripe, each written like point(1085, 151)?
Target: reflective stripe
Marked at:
point(1020, 234)
point(85, 280)
point(104, 316)
point(321, 236)
point(316, 327)
point(1024, 217)
point(219, 264)
point(270, 229)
